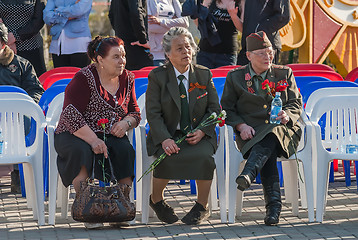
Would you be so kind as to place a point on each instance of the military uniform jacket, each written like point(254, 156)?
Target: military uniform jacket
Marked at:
point(242, 106)
point(163, 104)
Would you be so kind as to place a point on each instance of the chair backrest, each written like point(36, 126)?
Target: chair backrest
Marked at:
point(148, 68)
point(219, 72)
point(342, 115)
point(352, 76)
point(333, 76)
point(302, 81)
point(55, 77)
point(219, 83)
point(141, 105)
point(43, 77)
point(311, 87)
point(12, 112)
point(54, 110)
point(49, 95)
point(141, 73)
point(229, 67)
point(9, 88)
point(64, 81)
point(309, 66)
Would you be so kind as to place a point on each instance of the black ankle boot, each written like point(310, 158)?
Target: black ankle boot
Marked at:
point(256, 160)
point(272, 195)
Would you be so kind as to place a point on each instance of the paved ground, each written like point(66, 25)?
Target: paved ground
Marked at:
point(341, 220)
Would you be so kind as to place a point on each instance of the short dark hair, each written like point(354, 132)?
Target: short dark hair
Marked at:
point(100, 46)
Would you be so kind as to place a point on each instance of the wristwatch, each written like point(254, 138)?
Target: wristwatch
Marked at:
point(129, 124)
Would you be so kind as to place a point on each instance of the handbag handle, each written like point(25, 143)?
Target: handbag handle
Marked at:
point(113, 178)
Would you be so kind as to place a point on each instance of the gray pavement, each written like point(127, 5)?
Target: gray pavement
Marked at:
point(341, 219)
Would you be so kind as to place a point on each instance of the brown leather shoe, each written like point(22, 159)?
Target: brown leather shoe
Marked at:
point(164, 212)
point(196, 215)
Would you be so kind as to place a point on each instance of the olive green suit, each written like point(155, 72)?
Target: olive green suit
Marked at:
point(163, 109)
point(245, 107)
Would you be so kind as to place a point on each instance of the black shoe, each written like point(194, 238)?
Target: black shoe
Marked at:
point(196, 215)
point(243, 182)
point(272, 195)
point(256, 160)
point(15, 182)
point(164, 212)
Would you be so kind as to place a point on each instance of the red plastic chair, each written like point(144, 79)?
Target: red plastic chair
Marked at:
point(309, 66)
point(333, 76)
point(147, 68)
point(229, 67)
point(55, 77)
point(219, 72)
point(43, 77)
point(352, 75)
point(141, 73)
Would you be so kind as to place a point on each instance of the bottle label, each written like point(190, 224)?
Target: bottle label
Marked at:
point(1, 146)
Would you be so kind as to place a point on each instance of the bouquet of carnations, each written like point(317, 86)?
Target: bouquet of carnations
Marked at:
point(212, 119)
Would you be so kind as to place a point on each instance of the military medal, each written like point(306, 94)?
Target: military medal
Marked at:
point(182, 96)
point(249, 83)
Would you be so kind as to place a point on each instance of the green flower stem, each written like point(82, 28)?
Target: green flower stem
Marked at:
point(207, 122)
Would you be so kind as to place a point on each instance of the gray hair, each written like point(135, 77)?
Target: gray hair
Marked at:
point(175, 32)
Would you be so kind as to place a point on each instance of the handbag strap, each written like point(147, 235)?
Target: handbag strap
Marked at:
point(113, 178)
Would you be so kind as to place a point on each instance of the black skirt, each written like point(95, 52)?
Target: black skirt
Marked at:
point(73, 153)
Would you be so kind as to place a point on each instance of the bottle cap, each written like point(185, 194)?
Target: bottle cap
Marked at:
point(278, 94)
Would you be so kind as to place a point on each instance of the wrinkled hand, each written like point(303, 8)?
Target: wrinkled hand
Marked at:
point(169, 146)
point(246, 131)
point(195, 137)
point(145, 45)
point(282, 115)
point(119, 129)
point(153, 19)
point(98, 147)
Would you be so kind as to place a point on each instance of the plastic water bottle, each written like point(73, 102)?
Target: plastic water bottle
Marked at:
point(276, 107)
point(1, 142)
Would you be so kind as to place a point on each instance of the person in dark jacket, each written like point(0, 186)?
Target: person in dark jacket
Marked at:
point(130, 23)
point(264, 15)
point(248, 106)
point(17, 71)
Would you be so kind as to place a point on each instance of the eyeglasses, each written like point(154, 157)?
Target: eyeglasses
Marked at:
point(263, 54)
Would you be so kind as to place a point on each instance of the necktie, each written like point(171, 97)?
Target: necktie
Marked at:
point(184, 118)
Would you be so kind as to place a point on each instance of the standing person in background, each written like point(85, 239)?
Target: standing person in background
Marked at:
point(228, 23)
point(268, 16)
point(69, 30)
point(17, 71)
point(162, 15)
point(24, 21)
point(129, 21)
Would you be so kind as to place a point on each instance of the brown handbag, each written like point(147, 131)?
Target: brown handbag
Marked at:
point(103, 204)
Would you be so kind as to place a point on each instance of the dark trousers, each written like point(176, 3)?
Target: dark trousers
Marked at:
point(270, 168)
point(36, 58)
point(137, 57)
point(242, 59)
point(71, 60)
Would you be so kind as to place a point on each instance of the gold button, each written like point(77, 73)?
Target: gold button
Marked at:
point(194, 119)
point(266, 121)
point(265, 106)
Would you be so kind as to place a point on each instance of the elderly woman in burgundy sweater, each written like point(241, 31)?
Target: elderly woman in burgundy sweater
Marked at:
point(102, 90)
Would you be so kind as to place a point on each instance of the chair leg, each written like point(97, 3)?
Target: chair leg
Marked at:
point(39, 191)
point(322, 187)
point(52, 198)
point(213, 195)
point(309, 192)
point(65, 193)
point(347, 172)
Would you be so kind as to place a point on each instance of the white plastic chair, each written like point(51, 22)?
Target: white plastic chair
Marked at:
point(12, 112)
point(234, 165)
point(143, 162)
point(56, 186)
point(341, 113)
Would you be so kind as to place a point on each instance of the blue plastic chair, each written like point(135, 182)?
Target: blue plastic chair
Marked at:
point(302, 81)
point(49, 95)
point(64, 81)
